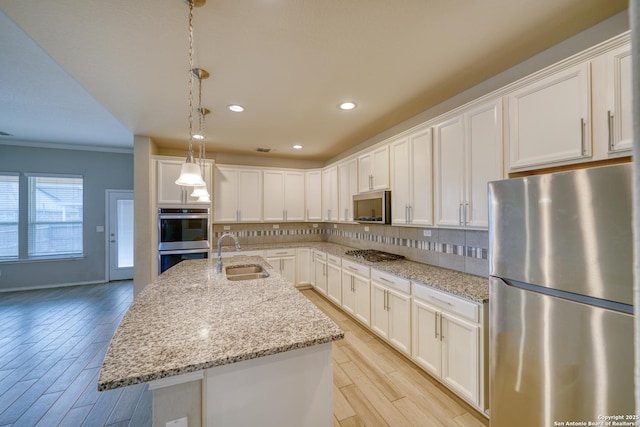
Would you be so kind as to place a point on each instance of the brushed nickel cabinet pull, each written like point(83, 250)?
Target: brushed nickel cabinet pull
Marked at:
point(610, 124)
point(435, 324)
point(583, 124)
point(441, 334)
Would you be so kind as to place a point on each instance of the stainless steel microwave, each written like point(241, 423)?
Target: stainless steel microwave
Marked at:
point(373, 207)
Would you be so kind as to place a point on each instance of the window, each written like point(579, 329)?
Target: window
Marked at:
point(55, 215)
point(9, 213)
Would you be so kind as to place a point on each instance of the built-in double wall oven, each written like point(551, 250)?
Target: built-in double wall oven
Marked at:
point(183, 233)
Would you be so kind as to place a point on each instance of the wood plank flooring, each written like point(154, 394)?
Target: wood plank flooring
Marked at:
point(53, 342)
point(374, 385)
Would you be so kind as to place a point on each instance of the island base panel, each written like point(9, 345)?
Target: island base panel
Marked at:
point(293, 388)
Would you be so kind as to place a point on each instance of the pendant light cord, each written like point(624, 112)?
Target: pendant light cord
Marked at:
point(190, 154)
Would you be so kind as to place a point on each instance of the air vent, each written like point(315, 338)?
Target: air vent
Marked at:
point(4, 133)
point(263, 150)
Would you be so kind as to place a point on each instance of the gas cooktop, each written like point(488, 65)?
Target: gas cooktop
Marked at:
point(373, 255)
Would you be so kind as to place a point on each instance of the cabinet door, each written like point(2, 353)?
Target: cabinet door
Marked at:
point(250, 195)
point(225, 194)
point(273, 208)
point(449, 172)
point(321, 276)
point(619, 90)
point(334, 283)
point(425, 334)
point(303, 271)
point(400, 181)
point(379, 314)
point(347, 187)
point(460, 356)
point(330, 194)
point(365, 182)
point(348, 293)
point(313, 195)
point(294, 196)
point(288, 269)
point(168, 191)
point(399, 311)
point(483, 154)
point(363, 299)
point(420, 163)
point(549, 120)
point(380, 168)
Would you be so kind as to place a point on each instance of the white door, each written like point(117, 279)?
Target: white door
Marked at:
point(119, 235)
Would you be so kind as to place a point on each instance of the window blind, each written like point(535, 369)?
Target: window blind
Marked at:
point(9, 214)
point(55, 216)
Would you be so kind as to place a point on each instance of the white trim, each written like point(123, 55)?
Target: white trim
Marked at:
point(67, 146)
point(56, 285)
point(175, 380)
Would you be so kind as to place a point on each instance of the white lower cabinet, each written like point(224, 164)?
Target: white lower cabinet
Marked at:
point(391, 309)
point(303, 267)
point(447, 342)
point(356, 291)
point(320, 263)
point(334, 279)
point(284, 261)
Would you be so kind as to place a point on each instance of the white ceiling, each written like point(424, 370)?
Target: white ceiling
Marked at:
point(98, 72)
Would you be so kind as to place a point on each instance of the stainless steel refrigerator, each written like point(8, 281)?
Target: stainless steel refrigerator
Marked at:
point(561, 297)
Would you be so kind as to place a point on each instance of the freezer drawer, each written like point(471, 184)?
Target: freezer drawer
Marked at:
point(553, 359)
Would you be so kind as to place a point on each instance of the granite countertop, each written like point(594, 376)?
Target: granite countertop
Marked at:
point(190, 319)
point(473, 288)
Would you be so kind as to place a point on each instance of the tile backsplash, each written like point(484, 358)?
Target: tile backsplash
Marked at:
point(461, 250)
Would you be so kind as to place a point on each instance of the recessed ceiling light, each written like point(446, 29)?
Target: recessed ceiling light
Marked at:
point(347, 105)
point(297, 147)
point(236, 108)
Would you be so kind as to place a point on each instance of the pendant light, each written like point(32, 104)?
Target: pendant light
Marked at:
point(200, 191)
point(190, 173)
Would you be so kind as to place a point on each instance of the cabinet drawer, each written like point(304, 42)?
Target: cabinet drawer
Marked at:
point(280, 252)
point(322, 256)
point(395, 282)
point(447, 301)
point(355, 268)
point(334, 259)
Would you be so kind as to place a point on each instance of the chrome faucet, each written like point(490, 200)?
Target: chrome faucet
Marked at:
point(219, 261)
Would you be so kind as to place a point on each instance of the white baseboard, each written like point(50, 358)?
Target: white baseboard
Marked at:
point(56, 285)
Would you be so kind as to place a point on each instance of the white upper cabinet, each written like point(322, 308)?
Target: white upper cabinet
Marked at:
point(617, 107)
point(483, 157)
point(467, 155)
point(330, 194)
point(550, 121)
point(284, 193)
point(237, 194)
point(373, 170)
point(313, 195)
point(347, 187)
point(170, 193)
point(411, 183)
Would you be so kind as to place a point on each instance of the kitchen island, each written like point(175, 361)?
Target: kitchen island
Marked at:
point(246, 350)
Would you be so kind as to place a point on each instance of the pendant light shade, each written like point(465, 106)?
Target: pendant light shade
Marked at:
point(190, 175)
point(200, 191)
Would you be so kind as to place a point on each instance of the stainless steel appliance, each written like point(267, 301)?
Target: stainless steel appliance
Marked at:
point(183, 233)
point(373, 207)
point(561, 309)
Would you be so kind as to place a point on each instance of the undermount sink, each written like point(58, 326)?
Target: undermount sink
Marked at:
point(245, 272)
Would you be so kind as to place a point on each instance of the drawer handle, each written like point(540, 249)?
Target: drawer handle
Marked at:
point(352, 268)
point(387, 280)
point(441, 301)
point(281, 253)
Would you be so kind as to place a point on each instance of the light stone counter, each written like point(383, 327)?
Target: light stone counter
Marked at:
point(191, 319)
point(474, 288)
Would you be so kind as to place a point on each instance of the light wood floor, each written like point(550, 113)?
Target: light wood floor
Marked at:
point(374, 385)
point(53, 342)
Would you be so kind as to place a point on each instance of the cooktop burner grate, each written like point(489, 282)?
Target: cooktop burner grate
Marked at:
point(373, 255)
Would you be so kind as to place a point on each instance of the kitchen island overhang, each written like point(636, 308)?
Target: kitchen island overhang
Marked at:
point(192, 319)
